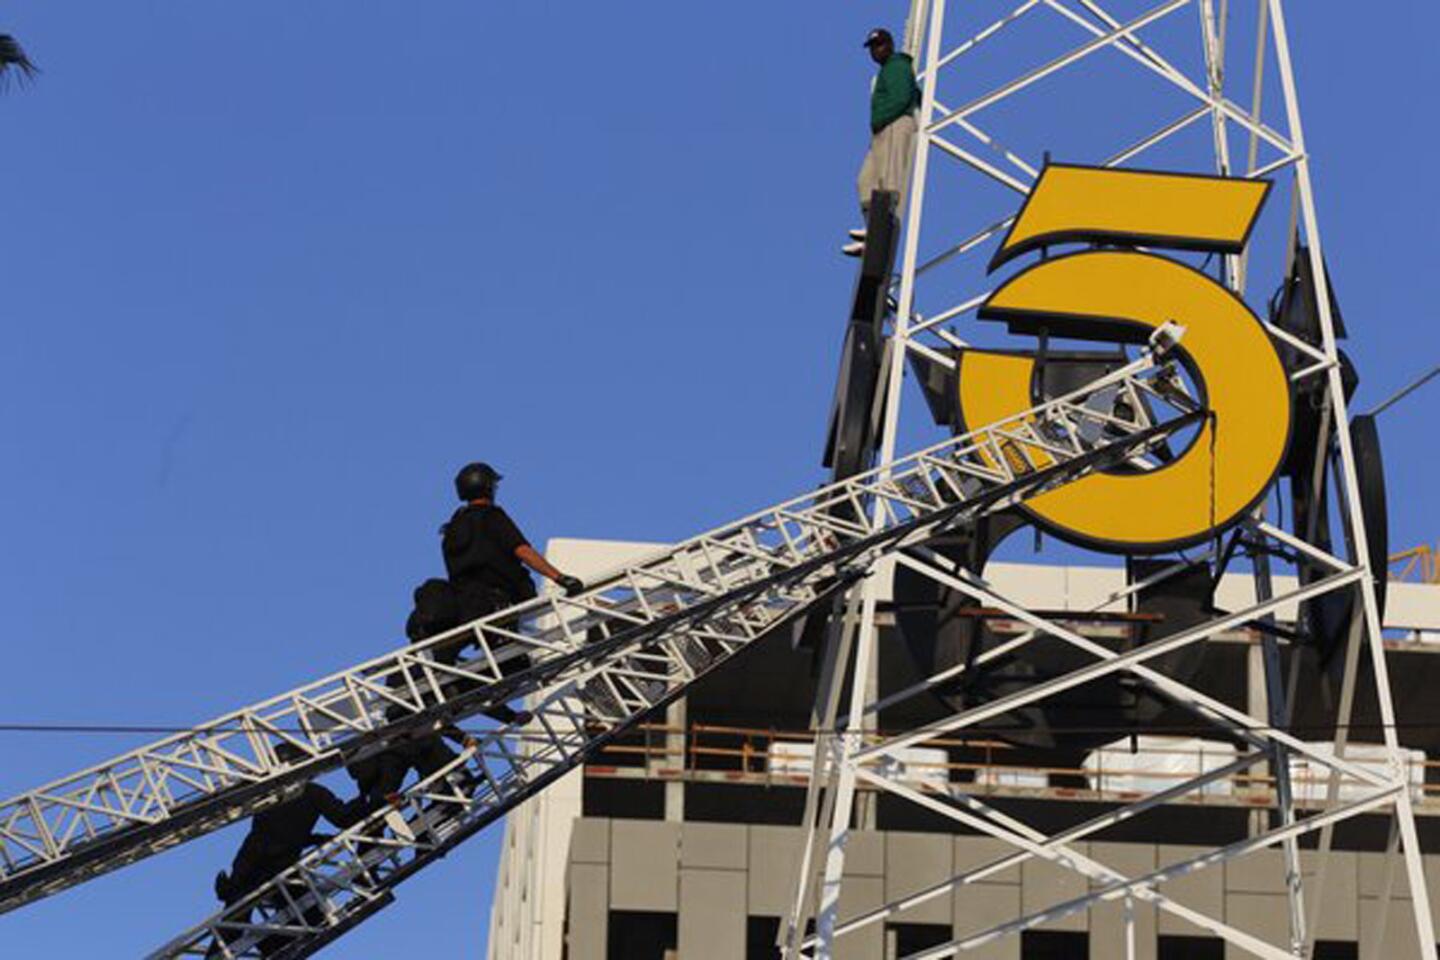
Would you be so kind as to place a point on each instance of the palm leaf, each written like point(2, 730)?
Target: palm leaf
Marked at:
point(14, 64)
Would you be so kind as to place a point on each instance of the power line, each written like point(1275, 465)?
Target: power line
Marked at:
point(1405, 391)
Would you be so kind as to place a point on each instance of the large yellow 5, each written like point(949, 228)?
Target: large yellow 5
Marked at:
point(1122, 296)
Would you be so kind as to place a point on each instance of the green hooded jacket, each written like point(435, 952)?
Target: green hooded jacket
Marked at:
point(896, 92)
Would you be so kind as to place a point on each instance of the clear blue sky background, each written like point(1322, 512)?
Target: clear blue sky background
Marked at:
point(271, 271)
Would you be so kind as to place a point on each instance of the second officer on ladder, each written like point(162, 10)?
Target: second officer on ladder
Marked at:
point(278, 836)
point(486, 554)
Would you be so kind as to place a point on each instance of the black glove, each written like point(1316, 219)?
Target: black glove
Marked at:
point(571, 585)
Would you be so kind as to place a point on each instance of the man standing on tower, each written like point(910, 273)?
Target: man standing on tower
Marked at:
point(892, 129)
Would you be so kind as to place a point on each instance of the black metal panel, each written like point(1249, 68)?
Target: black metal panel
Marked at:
point(936, 633)
point(1370, 469)
point(1325, 620)
point(941, 629)
point(1295, 307)
point(1184, 599)
point(937, 383)
point(850, 437)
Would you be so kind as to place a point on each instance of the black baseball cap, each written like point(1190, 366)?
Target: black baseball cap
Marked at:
point(878, 35)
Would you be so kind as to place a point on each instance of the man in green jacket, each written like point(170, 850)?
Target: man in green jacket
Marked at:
point(892, 128)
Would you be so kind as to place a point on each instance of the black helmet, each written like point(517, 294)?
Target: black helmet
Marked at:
point(476, 481)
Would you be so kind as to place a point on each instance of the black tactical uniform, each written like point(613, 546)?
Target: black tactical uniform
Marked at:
point(381, 776)
point(437, 610)
point(479, 544)
point(279, 835)
point(277, 838)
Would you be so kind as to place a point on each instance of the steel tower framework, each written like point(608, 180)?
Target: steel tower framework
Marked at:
point(964, 155)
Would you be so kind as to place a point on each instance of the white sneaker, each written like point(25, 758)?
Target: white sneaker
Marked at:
point(853, 249)
point(399, 826)
point(857, 233)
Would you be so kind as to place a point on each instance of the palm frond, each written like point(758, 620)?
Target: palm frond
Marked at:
point(14, 64)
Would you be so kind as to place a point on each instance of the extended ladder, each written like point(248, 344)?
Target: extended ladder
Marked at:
point(687, 612)
point(191, 783)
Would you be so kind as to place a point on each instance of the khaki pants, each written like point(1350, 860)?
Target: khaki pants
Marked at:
point(887, 163)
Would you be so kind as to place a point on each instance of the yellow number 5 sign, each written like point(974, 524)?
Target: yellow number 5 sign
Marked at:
point(1123, 295)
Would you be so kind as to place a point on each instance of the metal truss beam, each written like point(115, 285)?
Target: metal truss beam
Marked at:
point(191, 783)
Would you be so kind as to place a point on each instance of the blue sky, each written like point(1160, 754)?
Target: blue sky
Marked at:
point(271, 271)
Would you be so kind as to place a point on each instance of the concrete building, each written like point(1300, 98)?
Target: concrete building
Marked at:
point(680, 840)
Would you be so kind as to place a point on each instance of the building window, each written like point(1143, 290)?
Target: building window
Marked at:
point(1054, 945)
point(636, 935)
point(1190, 948)
point(1336, 950)
point(760, 934)
point(903, 939)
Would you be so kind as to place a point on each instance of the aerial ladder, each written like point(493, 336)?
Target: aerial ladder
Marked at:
point(591, 666)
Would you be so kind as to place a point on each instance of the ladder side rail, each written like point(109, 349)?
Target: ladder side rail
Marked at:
point(363, 701)
point(298, 699)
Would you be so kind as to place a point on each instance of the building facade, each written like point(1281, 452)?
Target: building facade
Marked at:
point(680, 840)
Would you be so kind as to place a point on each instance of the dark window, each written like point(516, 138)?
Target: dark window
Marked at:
point(1190, 948)
point(760, 934)
point(1054, 945)
point(1336, 950)
point(913, 937)
point(623, 799)
point(640, 936)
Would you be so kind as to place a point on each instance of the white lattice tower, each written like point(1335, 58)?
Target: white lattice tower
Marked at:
point(1199, 86)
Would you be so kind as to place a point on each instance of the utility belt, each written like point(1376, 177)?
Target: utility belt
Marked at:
point(479, 599)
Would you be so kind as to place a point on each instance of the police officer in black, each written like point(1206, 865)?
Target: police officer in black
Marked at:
point(436, 611)
point(485, 559)
point(486, 554)
point(279, 835)
point(380, 777)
